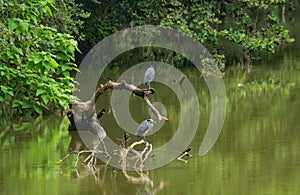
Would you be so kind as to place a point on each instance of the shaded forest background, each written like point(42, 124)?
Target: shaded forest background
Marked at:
point(43, 42)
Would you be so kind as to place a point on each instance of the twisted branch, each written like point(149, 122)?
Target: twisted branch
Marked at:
point(141, 156)
point(88, 109)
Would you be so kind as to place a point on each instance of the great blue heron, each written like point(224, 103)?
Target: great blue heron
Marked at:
point(149, 76)
point(145, 127)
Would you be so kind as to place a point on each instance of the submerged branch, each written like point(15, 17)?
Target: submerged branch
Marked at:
point(140, 156)
point(185, 153)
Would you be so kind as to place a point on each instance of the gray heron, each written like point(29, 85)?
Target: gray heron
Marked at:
point(149, 76)
point(145, 127)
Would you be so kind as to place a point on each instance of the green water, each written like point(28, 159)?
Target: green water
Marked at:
point(257, 151)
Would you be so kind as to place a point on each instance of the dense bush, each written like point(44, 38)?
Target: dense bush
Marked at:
point(36, 58)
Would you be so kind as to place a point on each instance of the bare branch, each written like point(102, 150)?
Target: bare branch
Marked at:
point(88, 108)
point(121, 86)
point(154, 110)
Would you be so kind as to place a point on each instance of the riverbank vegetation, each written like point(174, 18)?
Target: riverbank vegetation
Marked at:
point(39, 40)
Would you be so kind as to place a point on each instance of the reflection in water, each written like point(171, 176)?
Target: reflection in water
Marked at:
point(257, 151)
point(99, 172)
point(125, 154)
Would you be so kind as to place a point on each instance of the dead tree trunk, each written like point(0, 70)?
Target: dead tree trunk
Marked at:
point(246, 54)
point(246, 61)
point(283, 14)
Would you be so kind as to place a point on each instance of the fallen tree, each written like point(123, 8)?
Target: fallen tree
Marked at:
point(83, 111)
point(82, 116)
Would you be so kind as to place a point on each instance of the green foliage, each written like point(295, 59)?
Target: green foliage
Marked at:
point(253, 26)
point(106, 18)
point(257, 27)
point(35, 60)
point(68, 18)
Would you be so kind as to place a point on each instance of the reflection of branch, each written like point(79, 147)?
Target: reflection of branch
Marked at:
point(143, 178)
point(91, 160)
point(98, 173)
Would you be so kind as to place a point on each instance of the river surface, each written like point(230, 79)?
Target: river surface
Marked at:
point(257, 152)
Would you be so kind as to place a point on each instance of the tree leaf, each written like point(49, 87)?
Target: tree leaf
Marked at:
point(39, 92)
point(12, 25)
point(37, 109)
point(53, 63)
point(45, 98)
